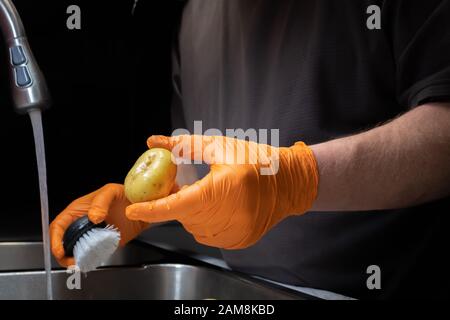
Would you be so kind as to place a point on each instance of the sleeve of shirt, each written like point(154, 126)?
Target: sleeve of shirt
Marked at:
point(419, 33)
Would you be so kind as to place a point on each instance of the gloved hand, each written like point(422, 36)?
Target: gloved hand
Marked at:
point(105, 204)
point(235, 204)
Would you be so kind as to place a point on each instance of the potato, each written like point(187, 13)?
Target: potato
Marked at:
point(152, 176)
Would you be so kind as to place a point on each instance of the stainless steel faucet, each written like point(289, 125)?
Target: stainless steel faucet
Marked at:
point(28, 86)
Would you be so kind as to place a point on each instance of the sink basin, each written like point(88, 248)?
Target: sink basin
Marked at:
point(137, 271)
point(159, 281)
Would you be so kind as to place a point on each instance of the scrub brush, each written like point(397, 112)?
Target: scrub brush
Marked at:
point(90, 244)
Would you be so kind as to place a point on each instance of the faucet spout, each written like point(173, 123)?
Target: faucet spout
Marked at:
point(28, 86)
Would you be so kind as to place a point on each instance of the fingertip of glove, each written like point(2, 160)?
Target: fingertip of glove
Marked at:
point(66, 262)
point(156, 140)
point(96, 216)
point(162, 142)
point(130, 212)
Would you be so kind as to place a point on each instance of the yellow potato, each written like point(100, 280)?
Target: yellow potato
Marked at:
point(152, 176)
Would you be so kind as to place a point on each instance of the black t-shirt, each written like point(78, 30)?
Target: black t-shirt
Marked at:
point(314, 70)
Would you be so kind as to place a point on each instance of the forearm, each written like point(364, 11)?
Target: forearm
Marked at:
point(400, 164)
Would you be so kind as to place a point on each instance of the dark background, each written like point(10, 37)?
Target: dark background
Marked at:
point(111, 88)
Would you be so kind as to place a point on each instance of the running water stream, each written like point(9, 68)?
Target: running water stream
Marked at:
point(36, 121)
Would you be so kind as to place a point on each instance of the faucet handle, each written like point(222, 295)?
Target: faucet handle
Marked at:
point(28, 86)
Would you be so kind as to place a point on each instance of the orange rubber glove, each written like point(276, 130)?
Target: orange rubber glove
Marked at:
point(234, 205)
point(106, 204)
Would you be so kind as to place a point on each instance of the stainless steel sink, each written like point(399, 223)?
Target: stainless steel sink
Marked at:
point(138, 271)
point(160, 281)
